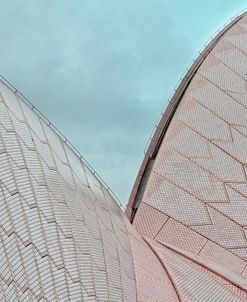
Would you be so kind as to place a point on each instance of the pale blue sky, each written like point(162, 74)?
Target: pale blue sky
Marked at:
point(103, 70)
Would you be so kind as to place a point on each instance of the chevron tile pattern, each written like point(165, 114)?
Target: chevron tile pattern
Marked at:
point(199, 175)
point(62, 236)
point(193, 199)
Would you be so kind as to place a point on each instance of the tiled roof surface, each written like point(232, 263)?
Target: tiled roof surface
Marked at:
point(63, 236)
point(192, 196)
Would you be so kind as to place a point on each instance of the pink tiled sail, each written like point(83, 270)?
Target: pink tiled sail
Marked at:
point(191, 191)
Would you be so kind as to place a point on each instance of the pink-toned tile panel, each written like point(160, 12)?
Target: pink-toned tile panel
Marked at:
point(149, 221)
point(222, 76)
point(153, 283)
point(176, 202)
point(233, 58)
point(221, 256)
point(207, 286)
point(236, 208)
point(197, 118)
point(217, 100)
point(199, 182)
point(223, 230)
point(181, 236)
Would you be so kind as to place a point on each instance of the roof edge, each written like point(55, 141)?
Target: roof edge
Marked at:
point(168, 113)
point(62, 137)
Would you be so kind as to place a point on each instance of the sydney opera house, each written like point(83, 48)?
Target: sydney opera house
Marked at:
point(183, 236)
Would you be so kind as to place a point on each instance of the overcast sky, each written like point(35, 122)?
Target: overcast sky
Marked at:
point(103, 70)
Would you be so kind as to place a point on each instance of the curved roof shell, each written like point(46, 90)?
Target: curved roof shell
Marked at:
point(191, 190)
point(167, 115)
point(62, 235)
